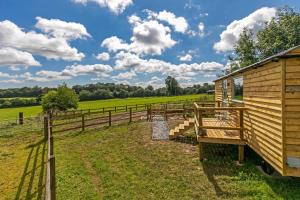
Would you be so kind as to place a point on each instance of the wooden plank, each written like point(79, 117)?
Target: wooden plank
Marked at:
point(292, 95)
point(293, 134)
point(293, 114)
point(292, 141)
point(220, 127)
point(292, 172)
point(292, 108)
point(292, 82)
point(220, 140)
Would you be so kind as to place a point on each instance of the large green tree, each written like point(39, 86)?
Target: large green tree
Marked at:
point(172, 86)
point(280, 34)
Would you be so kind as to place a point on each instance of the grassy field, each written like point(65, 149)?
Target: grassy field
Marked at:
point(122, 162)
point(12, 113)
point(22, 164)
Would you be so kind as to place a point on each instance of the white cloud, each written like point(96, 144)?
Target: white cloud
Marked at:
point(133, 19)
point(115, 6)
point(155, 81)
point(151, 37)
point(125, 60)
point(61, 29)
point(103, 56)
point(255, 21)
point(148, 38)
point(45, 76)
point(14, 81)
point(12, 57)
point(4, 75)
point(125, 75)
point(186, 57)
point(179, 23)
point(201, 28)
point(114, 44)
point(35, 43)
point(69, 72)
point(97, 69)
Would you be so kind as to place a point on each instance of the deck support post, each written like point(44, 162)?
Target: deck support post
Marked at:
point(200, 151)
point(241, 153)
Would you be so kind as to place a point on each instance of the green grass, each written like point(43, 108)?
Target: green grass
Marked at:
point(122, 162)
point(22, 164)
point(12, 113)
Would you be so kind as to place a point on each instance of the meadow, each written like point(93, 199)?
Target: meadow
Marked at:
point(12, 113)
point(123, 162)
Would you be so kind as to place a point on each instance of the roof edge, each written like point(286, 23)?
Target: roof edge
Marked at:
point(273, 58)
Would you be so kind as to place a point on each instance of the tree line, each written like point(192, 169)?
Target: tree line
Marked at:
point(99, 91)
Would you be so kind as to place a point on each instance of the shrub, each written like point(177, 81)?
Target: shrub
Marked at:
point(62, 99)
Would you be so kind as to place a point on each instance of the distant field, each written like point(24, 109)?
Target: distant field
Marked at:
point(18, 98)
point(12, 113)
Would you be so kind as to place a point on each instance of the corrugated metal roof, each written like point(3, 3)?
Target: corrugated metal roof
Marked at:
point(260, 63)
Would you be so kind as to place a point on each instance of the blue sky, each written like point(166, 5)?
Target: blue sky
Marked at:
point(136, 42)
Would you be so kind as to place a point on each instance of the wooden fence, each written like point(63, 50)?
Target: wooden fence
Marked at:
point(94, 119)
point(125, 108)
point(50, 186)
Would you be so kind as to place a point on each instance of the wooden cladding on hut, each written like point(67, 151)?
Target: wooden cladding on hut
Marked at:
point(271, 94)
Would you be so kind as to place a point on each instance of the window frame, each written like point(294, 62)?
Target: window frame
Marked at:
point(225, 90)
point(233, 89)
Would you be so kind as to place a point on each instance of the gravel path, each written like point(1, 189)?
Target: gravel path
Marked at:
point(160, 128)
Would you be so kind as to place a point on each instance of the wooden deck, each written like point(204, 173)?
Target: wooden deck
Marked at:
point(220, 136)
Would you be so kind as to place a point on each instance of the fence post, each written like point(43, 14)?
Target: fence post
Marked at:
point(82, 122)
point(147, 112)
point(52, 178)
point(126, 108)
point(103, 110)
point(89, 111)
point(21, 118)
point(130, 114)
point(109, 118)
point(136, 106)
point(115, 108)
point(45, 127)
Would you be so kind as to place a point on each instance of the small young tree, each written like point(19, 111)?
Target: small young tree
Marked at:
point(62, 99)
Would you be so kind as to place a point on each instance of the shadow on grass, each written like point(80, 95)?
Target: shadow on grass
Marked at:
point(220, 161)
point(35, 161)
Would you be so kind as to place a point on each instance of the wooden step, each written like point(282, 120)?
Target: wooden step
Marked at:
point(181, 126)
point(186, 123)
point(191, 121)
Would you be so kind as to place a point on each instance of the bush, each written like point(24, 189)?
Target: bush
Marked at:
point(61, 100)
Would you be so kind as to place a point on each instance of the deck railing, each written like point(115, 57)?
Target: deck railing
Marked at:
point(229, 118)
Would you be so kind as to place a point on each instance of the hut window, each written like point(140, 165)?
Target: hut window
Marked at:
point(238, 88)
point(224, 90)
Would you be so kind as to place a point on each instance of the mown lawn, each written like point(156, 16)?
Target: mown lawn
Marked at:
point(12, 113)
point(122, 162)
